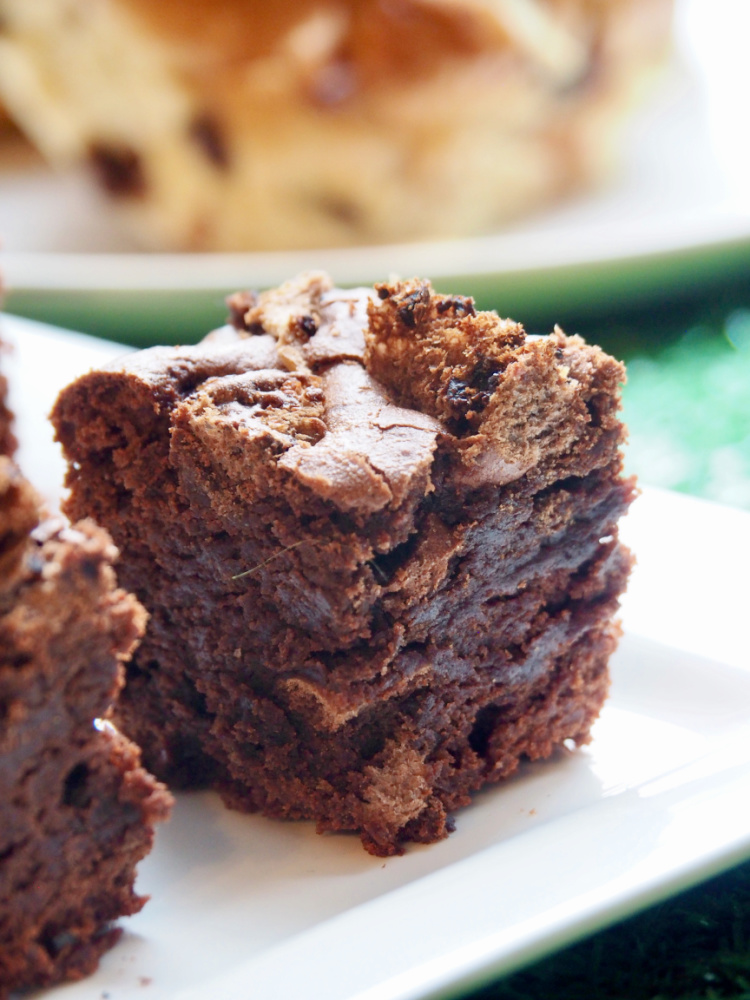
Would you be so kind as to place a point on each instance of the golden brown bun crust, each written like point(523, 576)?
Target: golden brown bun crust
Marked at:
point(240, 125)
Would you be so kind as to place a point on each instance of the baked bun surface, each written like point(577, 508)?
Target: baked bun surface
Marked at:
point(235, 125)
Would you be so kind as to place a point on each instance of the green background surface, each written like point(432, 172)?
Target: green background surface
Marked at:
point(687, 399)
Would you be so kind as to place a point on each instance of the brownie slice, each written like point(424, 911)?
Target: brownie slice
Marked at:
point(376, 532)
point(76, 808)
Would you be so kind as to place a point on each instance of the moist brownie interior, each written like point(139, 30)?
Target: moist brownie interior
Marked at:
point(76, 808)
point(376, 533)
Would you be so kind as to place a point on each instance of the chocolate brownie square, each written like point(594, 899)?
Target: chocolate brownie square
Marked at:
point(376, 533)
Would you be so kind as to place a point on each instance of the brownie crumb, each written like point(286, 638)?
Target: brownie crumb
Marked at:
point(307, 326)
point(458, 304)
point(239, 306)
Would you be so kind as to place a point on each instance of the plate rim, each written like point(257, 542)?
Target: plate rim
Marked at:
point(517, 254)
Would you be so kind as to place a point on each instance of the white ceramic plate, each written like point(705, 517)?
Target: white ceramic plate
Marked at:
point(247, 907)
point(678, 212)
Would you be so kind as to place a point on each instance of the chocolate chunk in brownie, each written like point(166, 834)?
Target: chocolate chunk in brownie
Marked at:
point(376, 532)
point(76, 807)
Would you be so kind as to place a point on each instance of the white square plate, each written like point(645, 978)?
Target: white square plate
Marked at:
point(247, 907)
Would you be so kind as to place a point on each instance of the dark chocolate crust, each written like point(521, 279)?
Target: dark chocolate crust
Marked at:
point(377, 536)
point(76, 807)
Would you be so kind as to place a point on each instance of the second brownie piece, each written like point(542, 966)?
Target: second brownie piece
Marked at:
point(77, 811)
point(377, 536)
